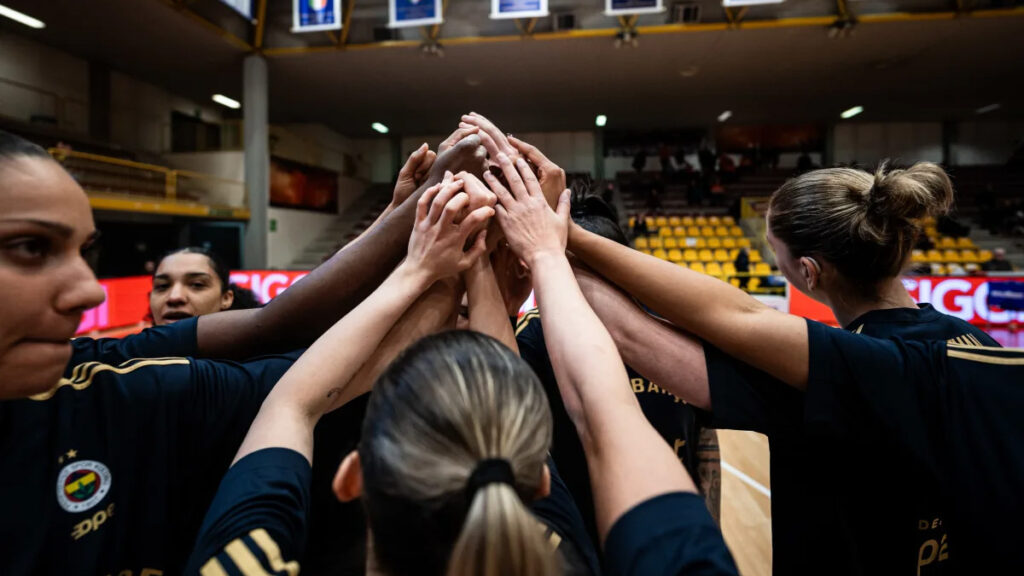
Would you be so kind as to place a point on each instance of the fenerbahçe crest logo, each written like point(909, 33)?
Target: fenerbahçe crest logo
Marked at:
point(81, 485)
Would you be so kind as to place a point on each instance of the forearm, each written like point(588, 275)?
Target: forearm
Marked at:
point(654, 348)
point(380, 218)
point(487, 313)
point(310, 306)
point(714, 310)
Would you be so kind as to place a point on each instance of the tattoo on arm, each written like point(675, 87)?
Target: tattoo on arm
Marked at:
point(709, 468)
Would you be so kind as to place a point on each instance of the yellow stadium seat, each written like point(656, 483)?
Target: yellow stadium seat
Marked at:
point(659, 253)
point(972, 267)
point(946, 242)
point(932, 232)
point(965, 243)
point(649, 221)
point(969, 256)
point(700, 243)
point(670, 242)
point(743, 242)
point(713, 269)
point(697, 267)
point(728, 269)
point(938, 269)
point(755, 255)
point(928, 221)
point(728, 242)
point(654, 242)
point(733, 254)
point(707, 231)
point(679, 231)
point(687, 220)
point(692, 231)
point(645, 251)
point(735, 231)
point(721, 255)
point(714, 221)
point(632, 221)
point(735, 282)
point(933, 256)
point(701, 221)
point(721, 231)
point(705, 255)
point(661, 221)
point(674, 221)
point(690, 255)
point(984, 255)
point(917, 256)
point(762, 269)
point(951, 256)
point(728, 221)
point(675, 255)
point(664, 231)
point(753, 284)
point(640, 242)
point(714, 242)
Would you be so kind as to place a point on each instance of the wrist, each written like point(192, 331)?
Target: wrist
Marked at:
point(540, 257)
point(414, 275)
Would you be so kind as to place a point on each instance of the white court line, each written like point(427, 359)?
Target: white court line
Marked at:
point(746, 479)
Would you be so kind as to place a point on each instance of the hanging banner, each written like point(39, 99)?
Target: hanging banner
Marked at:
point(243, 7)
point(625, 7)
point(410, 13)
point(315, 15)
point(518, 9)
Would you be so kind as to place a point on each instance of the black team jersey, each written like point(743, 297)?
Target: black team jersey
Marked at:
point(116, 466)
point(953, 410)
point(674, 420)
point(846, 504)
point(257, 522)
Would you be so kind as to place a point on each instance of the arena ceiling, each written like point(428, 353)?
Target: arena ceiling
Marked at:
point(897, 68)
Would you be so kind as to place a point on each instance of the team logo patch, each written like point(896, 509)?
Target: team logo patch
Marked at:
point(81, 485)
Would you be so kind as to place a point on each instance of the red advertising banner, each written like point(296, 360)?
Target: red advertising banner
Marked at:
point(963, 297)
point(127, 302)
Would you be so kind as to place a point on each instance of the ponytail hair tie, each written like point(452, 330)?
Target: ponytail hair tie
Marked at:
point(489, 471)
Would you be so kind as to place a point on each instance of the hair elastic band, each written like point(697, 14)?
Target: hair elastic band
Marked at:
point(489, 471)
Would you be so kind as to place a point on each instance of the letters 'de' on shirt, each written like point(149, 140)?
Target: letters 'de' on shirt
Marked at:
point(842, 501)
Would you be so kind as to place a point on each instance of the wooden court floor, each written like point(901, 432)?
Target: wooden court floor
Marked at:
point(746, 500)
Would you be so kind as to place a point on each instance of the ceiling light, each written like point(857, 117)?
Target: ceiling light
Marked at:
point(601, 120)
point(989, 108)
point(731, 3)
point(379, 127)
point(225, 101)
point(847, 114)
point(725, 116)
point(22, 18)
point(689, 72)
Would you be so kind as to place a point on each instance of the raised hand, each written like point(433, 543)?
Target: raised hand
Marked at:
point(550, 175)
point(531, 227)
point(464, 153)
point(493, 139)
point(437, 240)
point(413, 174)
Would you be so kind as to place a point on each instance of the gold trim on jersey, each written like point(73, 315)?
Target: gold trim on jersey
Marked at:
point(273, 552)
point(966, 340)
point(525, 320)
point(246, 561)
point(83, 374)
point(952, 352)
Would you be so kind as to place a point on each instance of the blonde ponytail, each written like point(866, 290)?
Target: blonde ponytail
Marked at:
point(500, 537)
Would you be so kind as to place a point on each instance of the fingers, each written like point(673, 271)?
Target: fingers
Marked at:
point(564, 204)
point(456, 136)
point(441, 200)
point(412, 163)
point(490, 145)
point(531, 152)
point(532, 186)
point(425, 164)
point(515, 182)
point(423, 205)
point(477, 219)
point(479, 194)
point(504, 198)
point(477, 251)
point(453, 208)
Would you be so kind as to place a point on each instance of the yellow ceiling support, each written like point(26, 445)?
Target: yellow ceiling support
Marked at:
point(180, 8)
point(261, 24)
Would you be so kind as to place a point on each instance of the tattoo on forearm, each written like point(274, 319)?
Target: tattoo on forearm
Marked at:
point(709, 469)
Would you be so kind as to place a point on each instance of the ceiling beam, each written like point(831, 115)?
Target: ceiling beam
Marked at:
point(813, 21)
point(261, 25)
point(184, 10)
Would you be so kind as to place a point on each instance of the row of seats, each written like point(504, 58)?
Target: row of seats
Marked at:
point(948, 242)
point(951, 256)
point(704, 255)
point(726, 269)
point(698, 231)
point(673, 221)
point(668, 242)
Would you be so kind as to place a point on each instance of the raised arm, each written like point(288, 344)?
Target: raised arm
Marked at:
point(309, 307)
point(653, 347)
point(714, 310)
point(629, 463)
point(320, 380)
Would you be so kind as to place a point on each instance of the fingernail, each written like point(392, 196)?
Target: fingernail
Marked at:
point(502, 157)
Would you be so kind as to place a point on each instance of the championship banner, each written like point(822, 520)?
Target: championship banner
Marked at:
point(316, 15)
point(502, 9)
point(127, 302)
point(967, 298)
point(243, 7)
point(411, 13)
point(626, 7)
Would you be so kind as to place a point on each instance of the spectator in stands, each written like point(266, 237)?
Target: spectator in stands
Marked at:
point(640, 160)
point(640, 225)
point(665, 158)
point(998, 263)
point(742, 265)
